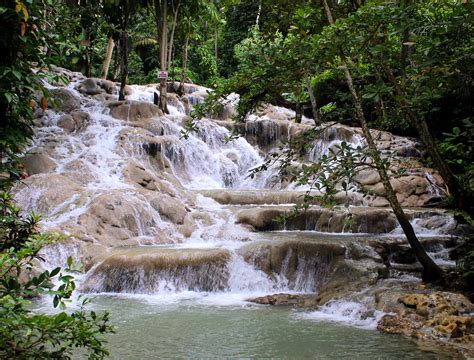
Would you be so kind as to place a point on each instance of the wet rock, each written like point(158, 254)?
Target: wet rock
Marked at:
point(67, 123)
point(81, 118)
point(38, 164)
point(296, 300)
point(151, 271)
point(94, 86)
point(63, 100)
point(350, 276)
point(367, 177)
point(47, 193)
point(307, 265)
point(430, 315)
point(255, 197)
point(134, 110)
point(357, 220)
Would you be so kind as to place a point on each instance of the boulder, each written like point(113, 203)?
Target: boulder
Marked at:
point(356, 220)
point(63, 100)
point(47, 194)
point(38, 164)
point(296, 300)
point(94, 86)
point(67, 123)
point(134, 110)
point(367, 177)
point(429, 315)
point(81, 118)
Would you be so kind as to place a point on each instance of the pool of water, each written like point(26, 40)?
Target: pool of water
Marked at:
point(150, 328)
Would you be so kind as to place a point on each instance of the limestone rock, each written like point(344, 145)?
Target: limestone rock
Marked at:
point(38, 164)
point(296, 300)
point(437, 316)
point(67, 123)
point(150, 271)
point(47, 193)
point(362, 220)
point(367, 177)
point(307, 265)
point(134, 110)
point(94, 86)
point(81, 118)
point(64, 100)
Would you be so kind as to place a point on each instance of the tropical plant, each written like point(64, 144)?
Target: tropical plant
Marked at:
point(26, 333)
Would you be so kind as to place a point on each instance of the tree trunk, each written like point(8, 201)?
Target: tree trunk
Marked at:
point(298, 112)
point(216, 39)
point(123, 63)
point(173, 28)
point(108, 58)
point(161, 9)
point(405, 38)
point(184, 65)
point(314, 105)
point(431, 271)
point(116, 69)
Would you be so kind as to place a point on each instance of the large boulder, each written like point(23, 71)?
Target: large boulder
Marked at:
point(94, 86)
point(48, 194)
point(356, 220)
point(38, 164)
point(134, 110)
point(64, 100)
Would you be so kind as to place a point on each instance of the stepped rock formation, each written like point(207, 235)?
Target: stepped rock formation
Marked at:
point(150, 211)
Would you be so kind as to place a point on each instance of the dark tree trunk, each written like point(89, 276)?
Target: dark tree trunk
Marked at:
point(184, 65)
point(431, 271)
point(173, 28)
point(298, 112)
point(123, 64)
point(314, 104)
point(161, 9)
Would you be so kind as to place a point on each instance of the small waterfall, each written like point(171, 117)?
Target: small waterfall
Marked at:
point(131, 193)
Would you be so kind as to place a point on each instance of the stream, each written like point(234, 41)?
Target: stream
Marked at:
point(166, 228)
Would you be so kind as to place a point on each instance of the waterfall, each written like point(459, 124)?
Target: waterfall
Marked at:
point(154, 213)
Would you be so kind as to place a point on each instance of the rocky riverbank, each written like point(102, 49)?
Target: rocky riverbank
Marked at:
point(152, 212)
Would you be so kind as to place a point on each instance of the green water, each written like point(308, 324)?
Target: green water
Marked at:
point(191, 329)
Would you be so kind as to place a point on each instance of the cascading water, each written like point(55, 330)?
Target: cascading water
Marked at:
point(132, 193)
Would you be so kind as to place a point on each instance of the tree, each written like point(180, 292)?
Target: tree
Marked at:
point(161, 14)
point(26, 333)
point(431, 271)
point(108, 58)
point(268, 64)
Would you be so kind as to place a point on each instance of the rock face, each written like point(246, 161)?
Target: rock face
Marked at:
point(429, 315)
point(64, 100)
point(134, 110)
point(306, 265)
point(38, 164)
point(123, 181)
point(356, 220)
point(160, 270)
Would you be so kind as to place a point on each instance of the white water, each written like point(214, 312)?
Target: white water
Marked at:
point(96, 157)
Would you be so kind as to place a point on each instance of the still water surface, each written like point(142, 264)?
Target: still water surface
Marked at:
point(149, 329)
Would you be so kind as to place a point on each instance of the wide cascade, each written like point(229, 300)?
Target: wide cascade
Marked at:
point(152, 211)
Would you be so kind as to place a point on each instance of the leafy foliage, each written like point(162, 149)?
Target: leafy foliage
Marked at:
point(24, 332)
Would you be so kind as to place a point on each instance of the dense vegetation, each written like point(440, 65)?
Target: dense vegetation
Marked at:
point(403, 66)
